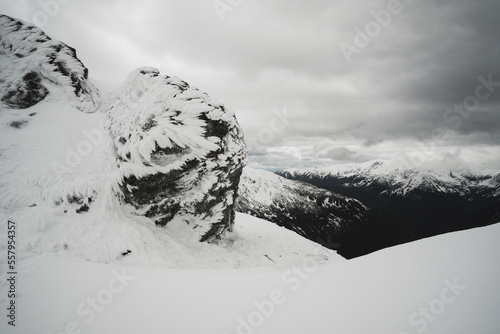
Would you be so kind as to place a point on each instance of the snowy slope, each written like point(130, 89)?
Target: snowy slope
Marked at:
point(333, 220)
point(445, 284)
point(260, 189)
point(63, 154)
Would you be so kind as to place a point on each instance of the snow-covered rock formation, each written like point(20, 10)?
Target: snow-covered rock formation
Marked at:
point(33, 67)
point(180, 153)
point(156, 153)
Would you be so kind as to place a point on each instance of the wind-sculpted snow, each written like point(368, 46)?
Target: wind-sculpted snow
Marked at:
point(34, 67)
point(180, 153)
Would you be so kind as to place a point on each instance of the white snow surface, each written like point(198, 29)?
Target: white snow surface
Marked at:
point(261, 184)
point(444, 284)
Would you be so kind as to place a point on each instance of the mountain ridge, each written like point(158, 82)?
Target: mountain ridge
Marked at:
point(432, 201)
point(405, 180)
point(331, 219)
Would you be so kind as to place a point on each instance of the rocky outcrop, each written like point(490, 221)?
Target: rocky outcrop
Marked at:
point(33, 67)
point(180, 153)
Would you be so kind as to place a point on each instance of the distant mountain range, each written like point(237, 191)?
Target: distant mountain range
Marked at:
point(430, 201)
point(333, 220)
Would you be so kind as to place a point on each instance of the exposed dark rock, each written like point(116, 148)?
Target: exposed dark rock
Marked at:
point(126, 252)
point(29, 92)
point(18, 124)
point(83, 208)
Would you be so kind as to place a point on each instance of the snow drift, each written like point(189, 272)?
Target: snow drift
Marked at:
point(445, 284)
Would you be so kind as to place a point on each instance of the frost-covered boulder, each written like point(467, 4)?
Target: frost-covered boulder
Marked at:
point(180, 153)
point(33, 67)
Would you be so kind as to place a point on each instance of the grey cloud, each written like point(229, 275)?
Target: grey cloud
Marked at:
point(341, 154)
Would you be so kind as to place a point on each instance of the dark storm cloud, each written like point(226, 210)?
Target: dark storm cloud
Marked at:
point(428, 60)
point(340, 154)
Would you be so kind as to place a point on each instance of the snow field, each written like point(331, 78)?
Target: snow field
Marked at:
point(444, 284)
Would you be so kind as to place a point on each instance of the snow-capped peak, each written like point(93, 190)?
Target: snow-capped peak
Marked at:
point(402, 179)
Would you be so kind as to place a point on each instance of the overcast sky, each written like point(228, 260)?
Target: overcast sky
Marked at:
point(312, 82)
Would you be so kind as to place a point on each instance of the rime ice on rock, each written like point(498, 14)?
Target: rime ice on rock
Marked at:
point(33, 66)
point(180, 153)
